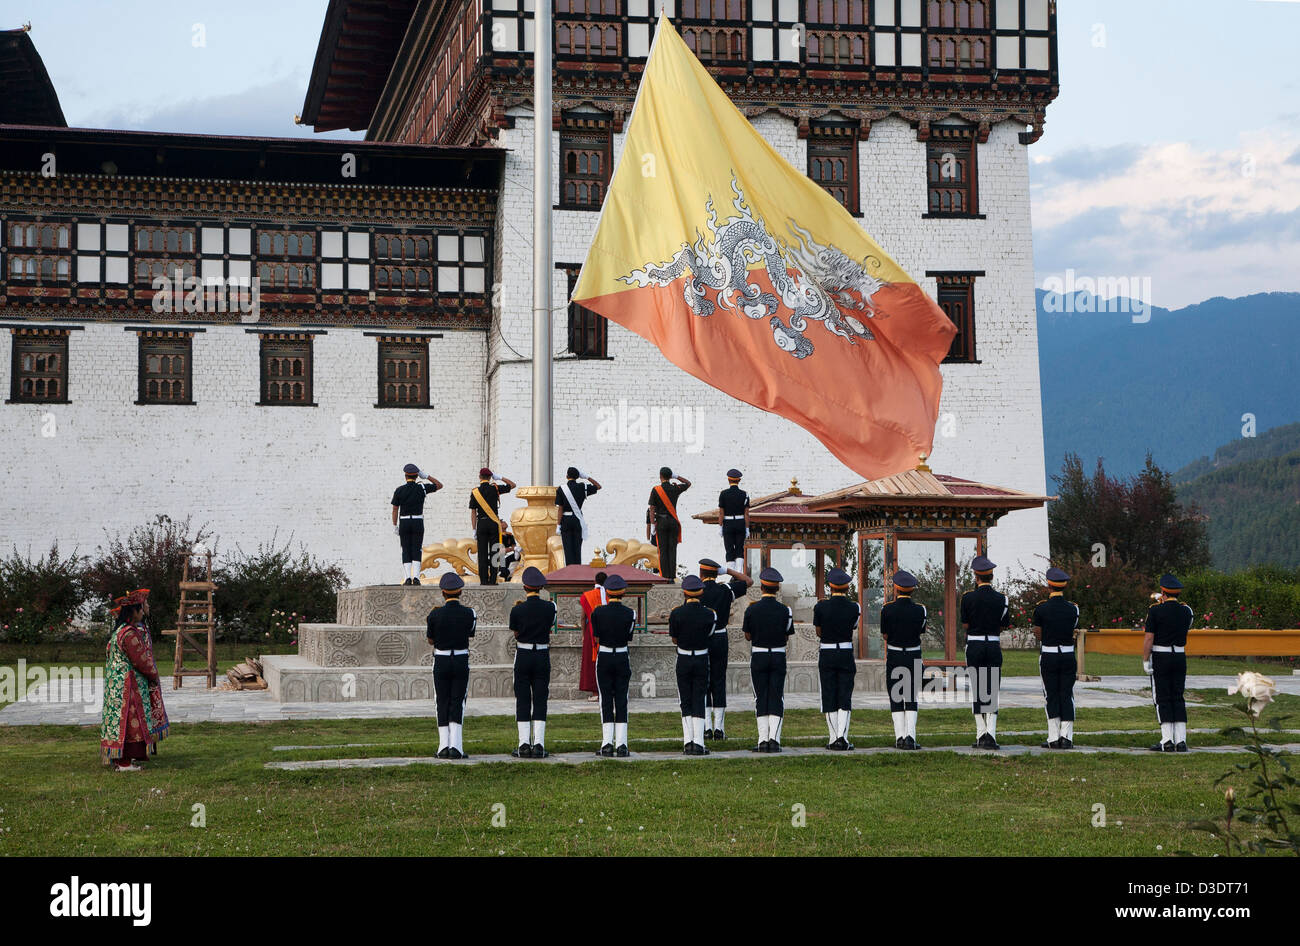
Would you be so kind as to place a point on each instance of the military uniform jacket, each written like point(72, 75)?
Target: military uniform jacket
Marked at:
point(611, 624)
point(1058, 618)
point(532, 619)
point(580, 493)
point(733, 501)
point(768, 623)
point(903, 621)
point(985, 611)
point(409, 498)
point(491, 494)
point(674, 492)
point(1170, 621)
point(837, 616)
point(720, 595)
point(690, 624)
point(451, 626)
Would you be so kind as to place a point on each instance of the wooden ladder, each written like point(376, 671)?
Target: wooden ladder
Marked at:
point(196, 622)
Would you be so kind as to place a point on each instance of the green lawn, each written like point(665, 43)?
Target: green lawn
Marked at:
point(57, 799)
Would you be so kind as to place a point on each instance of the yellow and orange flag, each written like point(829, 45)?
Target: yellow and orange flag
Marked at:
point(749, 276)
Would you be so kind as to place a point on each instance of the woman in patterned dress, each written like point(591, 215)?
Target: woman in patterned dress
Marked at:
point(134, 716)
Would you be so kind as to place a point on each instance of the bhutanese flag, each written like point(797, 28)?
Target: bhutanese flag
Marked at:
point(752, 278)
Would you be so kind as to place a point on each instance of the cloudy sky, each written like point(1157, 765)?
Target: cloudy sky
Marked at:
point(1172, 154)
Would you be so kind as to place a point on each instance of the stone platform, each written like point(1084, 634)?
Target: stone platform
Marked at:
point(377, 651)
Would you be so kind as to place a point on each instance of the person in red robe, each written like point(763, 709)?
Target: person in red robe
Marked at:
point(134, 718)
point(590, 601)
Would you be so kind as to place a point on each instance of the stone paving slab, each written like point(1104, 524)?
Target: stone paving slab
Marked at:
point(580, 758)
point(78, 703)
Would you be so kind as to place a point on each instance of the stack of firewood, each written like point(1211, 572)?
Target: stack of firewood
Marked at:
point(246, 675)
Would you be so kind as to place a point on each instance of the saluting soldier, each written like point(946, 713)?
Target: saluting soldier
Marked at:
point(1164, 658)
point(449, 629)
point(573, 522)
point(768, 625)
point(902, 625)
point(611, 627)
point(834, 620)
point(667, 523)
point(690, 625)
point(1054, 622)
point(485, 520)
point(733, 519)
point(719, 598)
point(532, 620)
point(408, 518)
point(984, 613)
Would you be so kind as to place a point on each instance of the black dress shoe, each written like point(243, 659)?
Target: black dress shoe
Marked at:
point(909, 743)
point(606, 750)
point(621, 752)
point(719, 735)
point(539, 751)
point(688, 749)
point(773, 746)
point(444, 753)
point(833, 745)
point(1163, 747)
point(708, 734)
point(1181, 747)
point(701, 750)
point(1066, 743)
point(760, 747)
point(454, 753)
point(1051, 744)
point(522, 751)
point(900, 743)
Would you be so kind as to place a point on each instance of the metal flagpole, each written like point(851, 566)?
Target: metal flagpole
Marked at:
point(542, 264)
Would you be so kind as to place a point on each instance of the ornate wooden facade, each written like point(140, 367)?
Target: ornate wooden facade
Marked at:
point(111, 225)
point(458, 67)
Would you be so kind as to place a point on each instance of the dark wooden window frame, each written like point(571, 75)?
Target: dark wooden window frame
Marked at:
point(956, 296)
point(388, 346)
point(590, 326)
point(960, 141)
point(38, 340)
point(168, 343)
point(585, 133)
point(270, 344)
point(836, 141)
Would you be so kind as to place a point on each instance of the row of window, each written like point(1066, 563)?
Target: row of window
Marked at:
point(301, 259)
point(165, 374)
point(586, 153)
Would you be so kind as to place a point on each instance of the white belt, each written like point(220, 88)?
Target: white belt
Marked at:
point(449, 653)
point(733, 517)
point(892, 647)
point(768, 650)
point(692, 653)
point(1172, 648)
point(533, 646)
point(721, 630)
point(844, 645)
point(410, 517)
point(986, 639)
point(1059, 649)
point(612, 650)
point(568, 512)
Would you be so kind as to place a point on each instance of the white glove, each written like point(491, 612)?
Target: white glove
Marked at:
point(396, 530)
point(423, 475)
point(1146, 667)
point(719, 530)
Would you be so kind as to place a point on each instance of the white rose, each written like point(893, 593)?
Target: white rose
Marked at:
point(1258, 689)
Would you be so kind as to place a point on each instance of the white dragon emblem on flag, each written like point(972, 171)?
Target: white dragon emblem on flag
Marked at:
point(811, 281)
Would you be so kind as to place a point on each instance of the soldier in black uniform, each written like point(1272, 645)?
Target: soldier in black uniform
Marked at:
point(768, 625)
point(408, 518)
point(449, 629)
point(719, 598)
point(573, 524)
point(667, 521)
point(984, 613)
point(902, 625)
point(733, 520)
point(485, 520)
point(690, 625)
point(611, 628)
point(1054, 622)
point(532, 620)
point(1164, 657)
point(834, 620)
